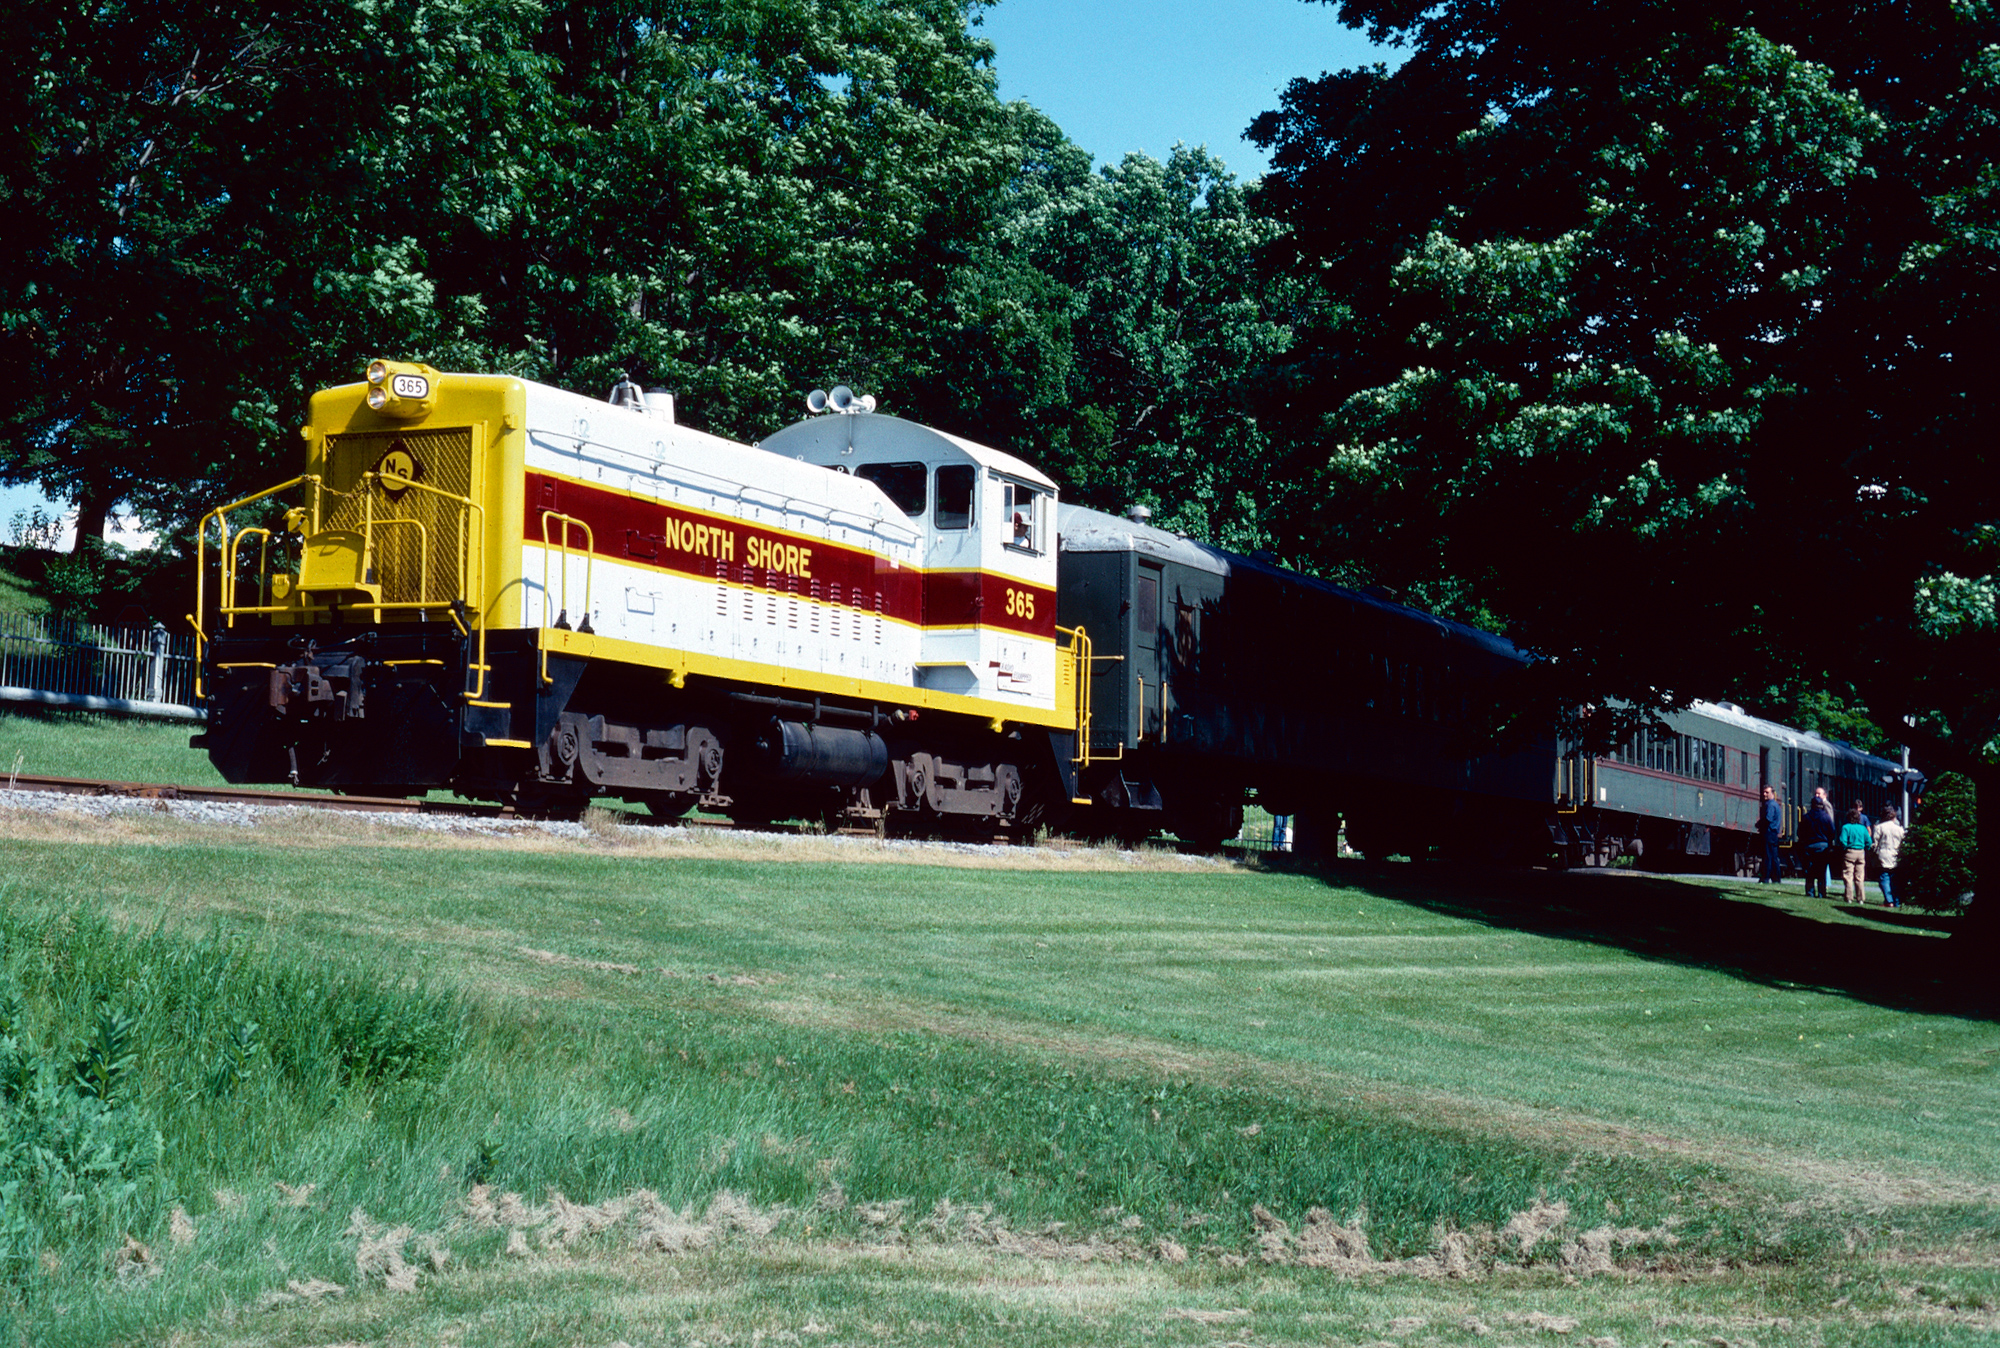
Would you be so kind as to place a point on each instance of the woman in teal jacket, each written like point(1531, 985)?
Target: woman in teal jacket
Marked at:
point(1854, 865)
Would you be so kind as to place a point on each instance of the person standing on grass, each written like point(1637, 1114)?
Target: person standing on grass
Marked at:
point(1771, 823)
point(1817, 836)
point(1888, 846)
point(1854, 858)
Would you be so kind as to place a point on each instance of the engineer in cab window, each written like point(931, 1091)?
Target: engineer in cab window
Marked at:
point(1021, 509)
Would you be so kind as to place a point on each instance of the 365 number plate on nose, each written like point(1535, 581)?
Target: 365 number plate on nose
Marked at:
point(411, 386)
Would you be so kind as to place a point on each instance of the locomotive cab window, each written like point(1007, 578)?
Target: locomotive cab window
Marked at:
point(954, 496)
point(1020, 511)
point(902, 483)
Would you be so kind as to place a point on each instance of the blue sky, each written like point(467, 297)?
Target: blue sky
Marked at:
point(1124, 75)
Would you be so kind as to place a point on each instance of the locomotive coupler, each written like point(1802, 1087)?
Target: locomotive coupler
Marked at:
point(334, 689)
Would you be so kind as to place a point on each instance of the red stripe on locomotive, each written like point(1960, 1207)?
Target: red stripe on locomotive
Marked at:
point(665, 537)
point(987, 599)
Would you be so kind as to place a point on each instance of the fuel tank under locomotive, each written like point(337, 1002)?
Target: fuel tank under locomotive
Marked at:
point(820, 755)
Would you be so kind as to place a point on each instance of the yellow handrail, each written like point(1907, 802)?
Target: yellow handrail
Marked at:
point(228, 583)
point(1087, 659)
point(471, 568)
point(562, 547)
point(263, 561)
point(200, 640)
point(1079, 665)
point(1575, 771)
point(471, 564)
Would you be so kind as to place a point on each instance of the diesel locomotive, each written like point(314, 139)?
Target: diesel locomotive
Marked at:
point(489, 586)
point(517, 593)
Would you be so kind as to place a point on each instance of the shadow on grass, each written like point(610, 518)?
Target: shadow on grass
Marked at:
point(1780, 939)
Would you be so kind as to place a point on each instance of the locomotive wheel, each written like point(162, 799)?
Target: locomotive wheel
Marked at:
point(666, 806)
point(1205, 827)
point(563, 808)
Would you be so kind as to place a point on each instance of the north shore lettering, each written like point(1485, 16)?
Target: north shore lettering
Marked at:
point(707, 540)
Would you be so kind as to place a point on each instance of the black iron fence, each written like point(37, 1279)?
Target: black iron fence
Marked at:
point(139, 669)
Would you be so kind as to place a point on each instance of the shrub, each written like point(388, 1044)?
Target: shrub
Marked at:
point(1939, 861)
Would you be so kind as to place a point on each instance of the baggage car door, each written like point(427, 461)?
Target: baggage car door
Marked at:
point(1147, 584)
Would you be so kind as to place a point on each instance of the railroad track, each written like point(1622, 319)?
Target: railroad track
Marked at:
point(83, 786)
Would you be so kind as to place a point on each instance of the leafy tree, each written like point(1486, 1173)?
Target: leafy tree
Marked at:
point(1808, 704)
point(1938, 866)
point(225, 209)
point(1112, 323)
point(1667, 356)
point(741, 200)
point(213, 208)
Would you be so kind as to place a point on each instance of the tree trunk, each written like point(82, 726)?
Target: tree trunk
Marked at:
point(94, 505)
point(1976, 946)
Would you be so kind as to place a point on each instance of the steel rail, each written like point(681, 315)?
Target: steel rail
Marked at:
point(160, 791)
point(82, 786)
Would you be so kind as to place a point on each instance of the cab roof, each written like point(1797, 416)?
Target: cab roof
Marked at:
point(837, 440)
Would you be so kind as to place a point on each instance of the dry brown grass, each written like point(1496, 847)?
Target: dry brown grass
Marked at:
point(164, 824)
point(708, 1271)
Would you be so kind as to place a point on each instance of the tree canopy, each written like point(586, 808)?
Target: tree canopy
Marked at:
point(205, 202)
point(735, 200)
point(221, 210)
point(1672, 354)
point(1113, 324)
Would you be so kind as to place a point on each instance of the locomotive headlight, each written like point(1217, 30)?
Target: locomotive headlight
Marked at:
point(401, 389)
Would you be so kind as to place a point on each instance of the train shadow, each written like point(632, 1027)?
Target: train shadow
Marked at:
point(1778, 939)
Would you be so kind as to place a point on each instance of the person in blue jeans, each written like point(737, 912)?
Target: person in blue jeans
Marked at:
point(1771, 823)
point(1818, 834)
point(1888, 848)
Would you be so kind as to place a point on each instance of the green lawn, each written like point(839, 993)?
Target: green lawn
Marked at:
point(52, 742)
point(1068, 1100)
point(16, 595)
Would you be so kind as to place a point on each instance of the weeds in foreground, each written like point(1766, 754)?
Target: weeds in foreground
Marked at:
point(136, 1067)
point(603, 825)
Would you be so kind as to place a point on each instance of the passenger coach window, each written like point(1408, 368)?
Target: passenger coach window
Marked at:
point(954, 496)
point(902, 483)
